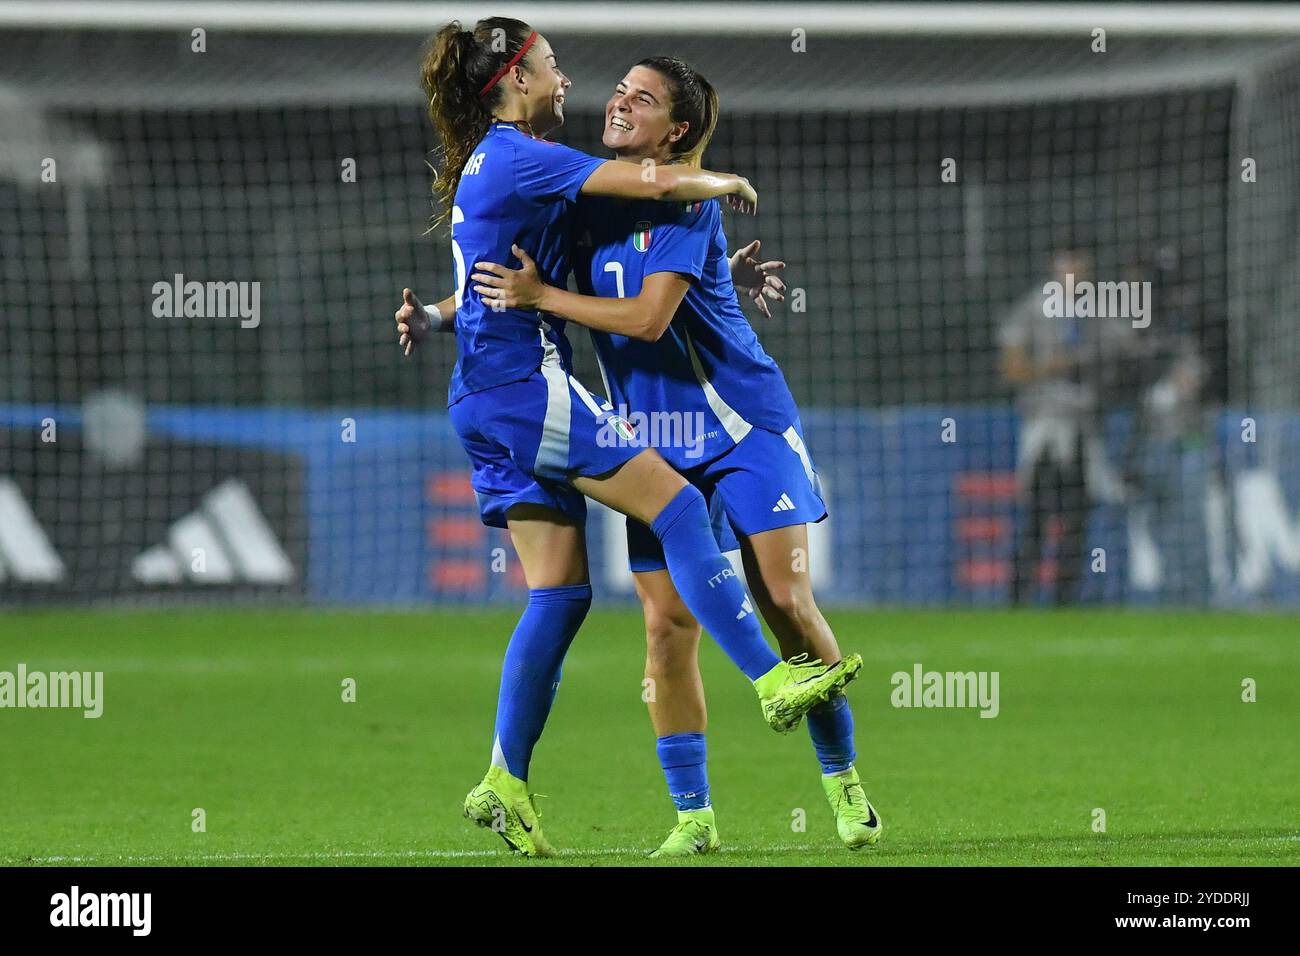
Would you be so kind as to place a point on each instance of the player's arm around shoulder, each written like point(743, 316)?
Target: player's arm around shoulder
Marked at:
point(670, 182)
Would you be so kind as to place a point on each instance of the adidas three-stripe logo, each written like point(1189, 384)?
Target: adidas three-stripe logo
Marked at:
point(231, 534)
point(746, 609)
point(783, 503)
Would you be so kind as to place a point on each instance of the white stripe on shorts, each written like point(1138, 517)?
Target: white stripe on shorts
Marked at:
point(553, 451)
point(795, 442)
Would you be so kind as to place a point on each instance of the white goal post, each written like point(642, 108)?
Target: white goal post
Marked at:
point(736, 19)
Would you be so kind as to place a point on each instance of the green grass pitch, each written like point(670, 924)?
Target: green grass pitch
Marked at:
point(240, 713)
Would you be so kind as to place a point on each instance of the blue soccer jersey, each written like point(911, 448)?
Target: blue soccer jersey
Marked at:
point(702, 387)
point(514, 189)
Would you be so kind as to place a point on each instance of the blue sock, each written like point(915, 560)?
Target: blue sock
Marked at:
point(708, 584)
point(831, 727)
point(530, 674)
point(682, 757)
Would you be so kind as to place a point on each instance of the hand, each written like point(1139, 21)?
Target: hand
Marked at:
point(744, 199)
point(503, 288)
point(756, 279)
point(412, 322)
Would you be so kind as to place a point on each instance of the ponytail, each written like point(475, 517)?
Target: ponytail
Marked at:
point(456, 66)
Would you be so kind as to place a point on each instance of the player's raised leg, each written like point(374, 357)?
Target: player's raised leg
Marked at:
point(677, 711)
point(776, 567)
point(552, 550)
point(648, 489)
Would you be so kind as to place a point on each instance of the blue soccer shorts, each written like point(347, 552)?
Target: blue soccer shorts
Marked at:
point(765, 482)
point(525, 440)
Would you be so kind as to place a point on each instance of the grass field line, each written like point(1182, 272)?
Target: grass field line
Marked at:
point(386, 854)
point(872, 651)
point(222, 665)
point(324, 855)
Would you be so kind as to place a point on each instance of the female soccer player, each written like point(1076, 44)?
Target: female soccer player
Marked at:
point(530, 429)
point(701, 358)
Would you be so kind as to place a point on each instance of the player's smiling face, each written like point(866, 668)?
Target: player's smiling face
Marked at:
point(547, 89)
point(638, 121)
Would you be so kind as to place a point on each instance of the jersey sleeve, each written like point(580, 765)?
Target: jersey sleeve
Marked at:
point(545, 171)
point(683, 245)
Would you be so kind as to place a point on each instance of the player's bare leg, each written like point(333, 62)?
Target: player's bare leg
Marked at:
point(640, 489)
point(552, 549)
point(675, 695)
point(776, 569)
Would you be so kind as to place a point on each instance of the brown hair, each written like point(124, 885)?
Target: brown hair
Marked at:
point(694, 101)
point(457, 64)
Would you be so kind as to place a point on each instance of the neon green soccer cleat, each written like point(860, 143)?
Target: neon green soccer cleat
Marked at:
point(694, 835)
point(855, 817)
point(502, 803)
point(792, 688)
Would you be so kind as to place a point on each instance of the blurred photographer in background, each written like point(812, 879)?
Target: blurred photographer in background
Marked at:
point(1059, 364)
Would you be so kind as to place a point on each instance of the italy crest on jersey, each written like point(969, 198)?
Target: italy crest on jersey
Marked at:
point(623, 427)
point(641, 238)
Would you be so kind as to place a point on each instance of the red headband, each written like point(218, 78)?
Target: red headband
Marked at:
point(509, 66)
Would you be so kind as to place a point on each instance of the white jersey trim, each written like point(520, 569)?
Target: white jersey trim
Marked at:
point(586, 397)
point(604, 377)
point(735, 426)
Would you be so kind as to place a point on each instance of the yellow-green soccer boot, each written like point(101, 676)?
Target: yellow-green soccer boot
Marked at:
point(694, 835)
point(855, 817)
point(792, 688)
point(502, 803)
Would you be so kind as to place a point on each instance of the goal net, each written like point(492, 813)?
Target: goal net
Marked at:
point(205, 228)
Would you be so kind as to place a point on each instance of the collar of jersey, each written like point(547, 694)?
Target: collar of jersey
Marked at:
point(513, 125)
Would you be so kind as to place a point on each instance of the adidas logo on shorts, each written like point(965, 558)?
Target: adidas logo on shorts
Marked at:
point(784, 503)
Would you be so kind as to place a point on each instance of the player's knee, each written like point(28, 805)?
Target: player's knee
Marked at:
point(680, 498)
point(672, 643)
point(794, 603)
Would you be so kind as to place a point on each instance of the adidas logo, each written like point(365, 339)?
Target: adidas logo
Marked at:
point(783, 503)
point(746, 609)
point(223, 541)
point(25, 551)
